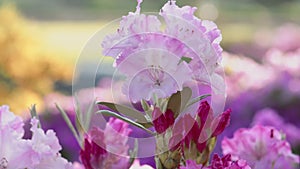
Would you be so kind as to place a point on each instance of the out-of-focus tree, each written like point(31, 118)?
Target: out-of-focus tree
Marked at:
point(26, 72)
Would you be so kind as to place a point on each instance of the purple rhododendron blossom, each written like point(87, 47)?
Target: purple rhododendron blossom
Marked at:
point(262, 147)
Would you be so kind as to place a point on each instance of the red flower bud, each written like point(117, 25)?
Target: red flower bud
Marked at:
point(162, 121)
point(223, 121)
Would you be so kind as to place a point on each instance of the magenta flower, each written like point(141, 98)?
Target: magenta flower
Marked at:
point(262, 147)
point(226, 163)
point(41, 151)
point(218, 163)
point(153, 58)
point(106, 148)
point(93, 154)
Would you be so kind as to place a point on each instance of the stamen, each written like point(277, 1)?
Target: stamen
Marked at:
point(156, 74)
point(171, 1)
point(272, 133)
point(3, 163)
point(138, 7)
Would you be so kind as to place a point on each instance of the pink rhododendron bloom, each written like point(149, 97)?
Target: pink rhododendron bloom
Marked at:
point(270, 117)
point(283, 61)
point(157, 71)
point(218, 163)
point(262, 147)
point(163, 60)
point(41, 151)
point(287, 37)
point(106, 148)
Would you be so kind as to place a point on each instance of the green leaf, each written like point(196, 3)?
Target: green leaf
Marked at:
point(69, 123)
point(185, 59)
point(145, 105)
point(89, 114)
point(33, 113)
point(178, 101)
point(78, 109)
point(158, 163)
point(197, 99)
point(32, 110)
point(133, 153)
point(127, 111)
point(147, 109)
point(125, 119)
point(79, 122)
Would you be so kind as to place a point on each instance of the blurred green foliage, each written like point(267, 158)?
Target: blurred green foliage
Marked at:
point(229, 10)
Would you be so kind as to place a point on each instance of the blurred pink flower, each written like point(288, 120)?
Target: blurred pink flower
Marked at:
point(262, 147)
point(41, 151)
point(136, 165)
point(287, 38)
point(218, 163)
point(244, 73)
point(283, 61)
point(269, 117)
point(107, 148)
point(77, 165)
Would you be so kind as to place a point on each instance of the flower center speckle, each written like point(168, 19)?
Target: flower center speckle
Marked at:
point(156, 74)
point(272, 133)
point(3, 163)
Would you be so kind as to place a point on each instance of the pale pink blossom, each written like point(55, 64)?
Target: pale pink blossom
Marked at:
point(151, 57)
point(41, 151)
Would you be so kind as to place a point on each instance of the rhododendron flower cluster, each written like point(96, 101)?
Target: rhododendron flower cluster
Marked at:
point(194, 136)
point(164, 60)
point(167, 65)
point(39, 152)
point(262, 147)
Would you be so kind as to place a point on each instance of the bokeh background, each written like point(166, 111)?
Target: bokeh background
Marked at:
point(40, 42)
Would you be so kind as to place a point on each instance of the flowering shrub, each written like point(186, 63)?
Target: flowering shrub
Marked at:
point(173, 75)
